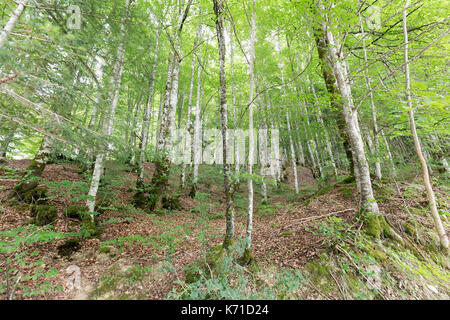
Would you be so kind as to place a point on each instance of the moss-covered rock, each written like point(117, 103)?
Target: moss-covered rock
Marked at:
point(43, 214)
point(89, 227)
point(37, 195)
point(75, 212)
point(171, 202)
point(140, 200)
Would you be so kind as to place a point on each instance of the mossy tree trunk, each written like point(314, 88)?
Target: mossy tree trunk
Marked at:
point(229, 214)
point(368, 205)
point(31, 177)
point(160, 177)
point(331, 85)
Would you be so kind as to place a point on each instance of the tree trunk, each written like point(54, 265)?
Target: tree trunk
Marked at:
point(189, 131)
point(325, 132)
point(109, 117)
point(160, 177)
point(331, 85)
point(431, 197)
point(197, 132)
point(248, 256)
point(376, 144)
point(30, 179)
point(233, 93)
point(139, 196)
point(229, 214)
point(293, 158)
point(15, 16)
point(368, 204)
point(391, 159)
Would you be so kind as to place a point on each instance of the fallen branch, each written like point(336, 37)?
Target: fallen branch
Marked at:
point(9, 78)
point(318, 217)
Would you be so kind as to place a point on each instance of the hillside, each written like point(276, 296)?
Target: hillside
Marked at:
point(306, 246)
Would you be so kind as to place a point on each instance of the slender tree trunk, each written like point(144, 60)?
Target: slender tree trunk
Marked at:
point(189, 131)
point(368, 204)
point(331, 85)
point(109, 116)
point(291, 143)
point(233, 93)
point(229, 214)
point(428, 186)
point(376, 148)
point(391, 159)
point(325, 132)
point(275, 158)
point(160, 177)
point(197, 132)
point(293, 158)
point(15, 16)
point(139, 196)
point(248, 256)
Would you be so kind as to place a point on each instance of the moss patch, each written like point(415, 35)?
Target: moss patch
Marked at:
point(43, 214)
point(346, 193)
point(75, 212)
point(89, 227)
point(35, 196)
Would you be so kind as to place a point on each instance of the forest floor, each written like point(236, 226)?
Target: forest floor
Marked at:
point(306, 245)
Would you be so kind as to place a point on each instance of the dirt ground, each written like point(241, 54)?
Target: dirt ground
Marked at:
point(281, 234)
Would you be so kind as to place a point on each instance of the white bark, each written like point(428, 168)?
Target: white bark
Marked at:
point(428, 186)
point(108, 124)
point(248, 241)
point(376, 148)
point(293, 159)
point(188, 130)
point(196, 143)
point(147, 113)
point(362, 173)
point(15, 16)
